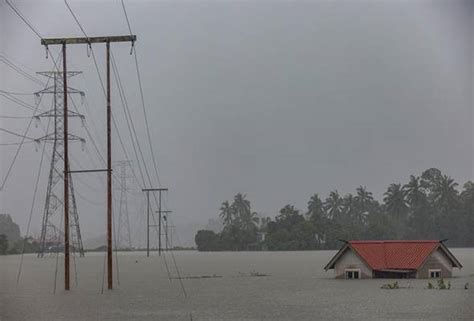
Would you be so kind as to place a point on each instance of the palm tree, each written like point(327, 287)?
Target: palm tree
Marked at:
point(241, 205)
point(467, 219)
point(467, 195)
point(315, 208)
point(349, 205)
point(226, 213)
point(445, 200)
point(415, 192)
point(334, 205)
point(249, 220)
point(395, 200)
point(397, 207)
point(445, 195)
point(421, 222)
point(363, 200)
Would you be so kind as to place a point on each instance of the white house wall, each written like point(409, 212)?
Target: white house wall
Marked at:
point(350, 260)
point(437, 260)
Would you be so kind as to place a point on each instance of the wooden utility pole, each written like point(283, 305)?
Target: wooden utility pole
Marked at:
point(159, 219)
point(109, 174)
point(165, 218)
point(66, 177)
point(148, 190)
point(88, 40)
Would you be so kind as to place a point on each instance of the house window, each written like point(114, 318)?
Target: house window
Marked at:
point(352, 274)
point(434, 274)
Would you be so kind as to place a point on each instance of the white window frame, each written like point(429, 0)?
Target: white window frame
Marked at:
point(352, 270)
point(434, 271)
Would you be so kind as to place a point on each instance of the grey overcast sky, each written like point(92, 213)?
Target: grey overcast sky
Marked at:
point(278, 100)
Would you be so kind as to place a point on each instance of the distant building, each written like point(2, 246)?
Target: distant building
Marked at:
point(393, 259)
point(261, 236)
point(320, 238)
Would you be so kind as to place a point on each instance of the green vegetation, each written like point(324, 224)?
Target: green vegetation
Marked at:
point(29, 246)
point(441, 285)
point(390, 286)
point(427, 207)
point(9, 228)
point(3, 244)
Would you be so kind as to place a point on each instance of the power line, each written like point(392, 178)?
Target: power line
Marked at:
point(146, 117)
point(129, 120)
point(149, 140)
point(18, 101)
point(126, 17)
point(75, 18)
point(13, 7)
point(22, 140)
point(15, 144)
point(16, 93)
point(16, 68)
point(15, 117)
point(16, 134)
point(18, 13)
point(31, 209)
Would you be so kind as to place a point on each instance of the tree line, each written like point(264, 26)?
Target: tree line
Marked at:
point(428, 206)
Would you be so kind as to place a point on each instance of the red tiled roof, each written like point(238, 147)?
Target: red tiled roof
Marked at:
point(381, 255)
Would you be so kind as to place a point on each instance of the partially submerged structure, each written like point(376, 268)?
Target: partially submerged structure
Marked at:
point(393, 259)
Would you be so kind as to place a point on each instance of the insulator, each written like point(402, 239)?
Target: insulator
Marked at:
point(89, 49)
point(46, 47)
point(37, 145)
point(37, 121)
point(83, 144)
point(132, 47)
point(82, 98)
point(83, 121)
point(37, 99)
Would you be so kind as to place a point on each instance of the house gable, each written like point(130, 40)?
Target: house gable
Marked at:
point(350, 260)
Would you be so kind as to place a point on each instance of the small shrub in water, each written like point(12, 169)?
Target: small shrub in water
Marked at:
point(390, 286)
point(441, 284)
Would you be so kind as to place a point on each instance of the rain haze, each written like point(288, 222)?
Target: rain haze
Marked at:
point(313, 159)
point(277, 100)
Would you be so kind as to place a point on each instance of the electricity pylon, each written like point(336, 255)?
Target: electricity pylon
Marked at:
point(54, 194)
point(124, 239)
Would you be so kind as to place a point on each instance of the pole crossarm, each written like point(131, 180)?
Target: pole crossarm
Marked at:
point(153, 189)
point(87, 40)
point(50, 90)
point(52, 74)
point(52, 138)
point(51, 113)
point(88, 170)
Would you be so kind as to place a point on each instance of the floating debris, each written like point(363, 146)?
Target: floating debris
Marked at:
point(251, 274)
point(214, 276)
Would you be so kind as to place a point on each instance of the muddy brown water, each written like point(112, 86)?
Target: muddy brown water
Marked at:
point(223, 286)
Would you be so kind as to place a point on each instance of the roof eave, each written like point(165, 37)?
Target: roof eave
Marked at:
point(450, 255)
point(332, 262)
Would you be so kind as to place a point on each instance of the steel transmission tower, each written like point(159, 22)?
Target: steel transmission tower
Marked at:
point(124, 239)
point(55, 194)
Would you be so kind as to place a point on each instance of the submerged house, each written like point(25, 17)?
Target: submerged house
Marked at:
point(393, 259)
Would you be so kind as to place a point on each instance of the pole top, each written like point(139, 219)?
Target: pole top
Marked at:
point(87, 40)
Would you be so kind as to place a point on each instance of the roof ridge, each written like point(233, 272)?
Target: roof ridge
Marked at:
point(392, 241)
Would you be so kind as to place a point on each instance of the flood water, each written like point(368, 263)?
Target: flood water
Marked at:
point(240, 286)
